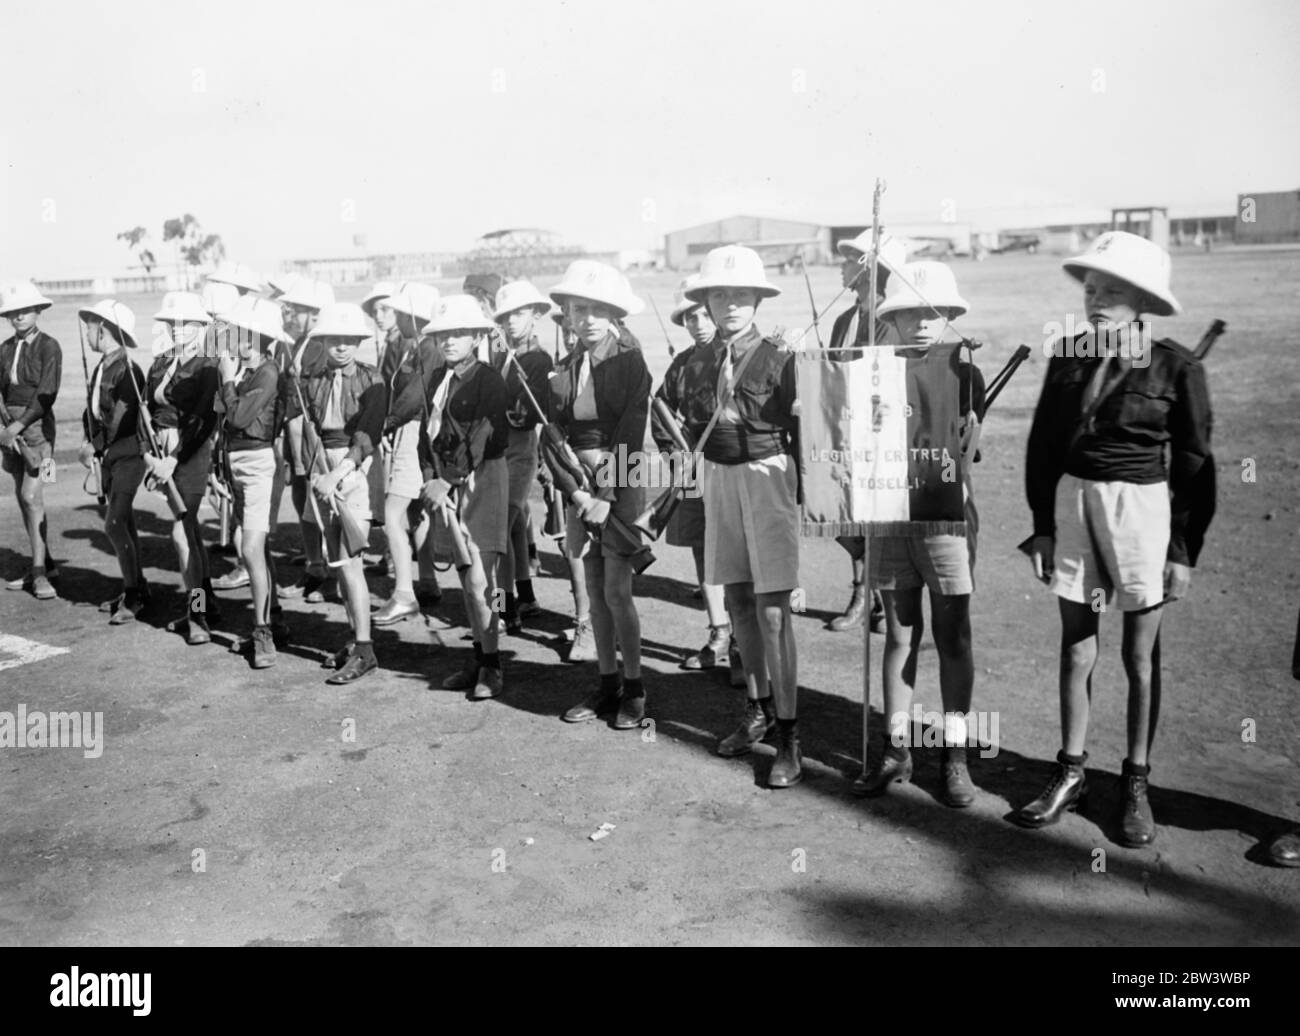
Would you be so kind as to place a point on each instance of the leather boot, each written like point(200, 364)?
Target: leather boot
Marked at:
point(756, 724)
point(852, 617)
point(598, 703)
point(1067, 790)
point(1284, 850)
point(787, 771)
point(1137, 827)
point(893, 764)
point(714, 652)
point(958, 791)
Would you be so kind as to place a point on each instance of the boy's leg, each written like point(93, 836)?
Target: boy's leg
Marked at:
point(742, 605)
point(253, 553)
point(952, 637)
point(779, 653)
point(1140, 632)
point(904, 627)
point(1068, 784)
point(1079, 624)
point(602, 621)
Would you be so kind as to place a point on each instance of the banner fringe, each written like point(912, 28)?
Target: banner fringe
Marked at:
point(876, 529)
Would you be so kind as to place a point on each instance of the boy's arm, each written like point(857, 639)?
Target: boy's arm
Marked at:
point(1043, 464)
point(1191, 466)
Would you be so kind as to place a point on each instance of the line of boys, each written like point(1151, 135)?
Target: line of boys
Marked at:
point(736, 395)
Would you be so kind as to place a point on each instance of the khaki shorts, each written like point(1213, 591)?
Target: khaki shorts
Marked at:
point(482, 513)
point(34, 436)
point(253, 472)
point(404, 476)
point(1111, 541)
point(751, 524)
point(629, 502)
point(355, 490)
point(521, 459)
point(943, 564)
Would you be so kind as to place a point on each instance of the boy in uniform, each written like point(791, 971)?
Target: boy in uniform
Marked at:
point(344, 418)
point(251, 402)
point(462, 449)
point(111, 423)
point(518, 306)
point(689, 391)
point(750, 478)
point(31, 371)
point(920, 302)
point(849, 333)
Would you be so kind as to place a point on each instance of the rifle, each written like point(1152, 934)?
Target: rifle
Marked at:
point(654, 519)
point(1003, 376)
point(812, 302)
point(94, 473)
point(1208, 339)
point(143, 420)
point(664, 327)
point(571, 477)
point(355, 538)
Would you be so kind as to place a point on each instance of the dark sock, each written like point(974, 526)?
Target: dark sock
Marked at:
point(786, 726)
point(1133, 770)
point(478, 653)
point(633, 688)
point(769, 710)
point(510, 603)
point(524, 591)
point(1071, 760)
point(38, 571)
point(492, 661)
point(532, 551)
point(610, 683)
point(364, 649)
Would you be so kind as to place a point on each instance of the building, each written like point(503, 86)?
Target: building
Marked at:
point(1267, 217)
point(781, 242)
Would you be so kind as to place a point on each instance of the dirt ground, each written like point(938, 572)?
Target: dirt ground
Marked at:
point(452, 822)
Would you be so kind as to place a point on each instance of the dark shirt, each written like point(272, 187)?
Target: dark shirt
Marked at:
point(621, 384)
point(764, 398)
point(537, 365)
point(400, 373)
point(474, 428)
point(40, 373)
point(312, 361)
point(189, 399)
point(839, 349)
point(253, 408)
point(1163, 405)
point(690, 391)
point(119, 405)
point(363, 404)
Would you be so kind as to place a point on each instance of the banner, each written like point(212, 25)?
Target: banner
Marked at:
point(880, 442)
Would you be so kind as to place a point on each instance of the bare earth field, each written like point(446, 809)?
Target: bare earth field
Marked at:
point(451, 822)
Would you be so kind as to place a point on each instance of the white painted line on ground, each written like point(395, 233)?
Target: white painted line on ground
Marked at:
point(25, 651)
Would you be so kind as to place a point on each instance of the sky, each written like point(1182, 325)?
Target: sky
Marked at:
point(291, 127)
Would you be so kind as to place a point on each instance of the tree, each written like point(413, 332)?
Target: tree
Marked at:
point(192, 245)
point(135, 238)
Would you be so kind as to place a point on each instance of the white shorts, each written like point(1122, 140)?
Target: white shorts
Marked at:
point(1111, 541)
point(404, 476)
point(751, 523)
point(253, 471)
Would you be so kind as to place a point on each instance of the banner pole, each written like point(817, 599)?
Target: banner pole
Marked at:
point(866, 528)
point(866, 648)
